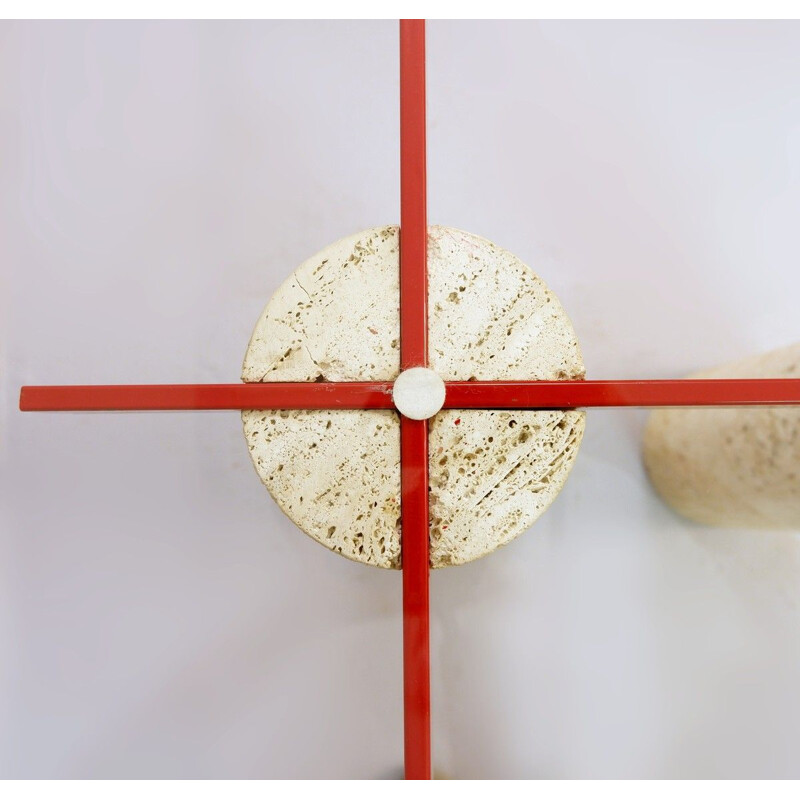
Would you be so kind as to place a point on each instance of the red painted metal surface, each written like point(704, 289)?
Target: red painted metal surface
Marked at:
point(205, 396)
point(460, 394)
point(416, 633)
point(577, 394)
point(414, 434)
point(413, 202)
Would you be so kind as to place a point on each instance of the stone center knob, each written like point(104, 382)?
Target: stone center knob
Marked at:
point(418, 393)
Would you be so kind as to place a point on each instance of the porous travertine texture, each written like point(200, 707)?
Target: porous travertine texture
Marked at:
point(337, 473)
point(335, 318)
point(731, 467)
point(490, 317)
point(492, 473)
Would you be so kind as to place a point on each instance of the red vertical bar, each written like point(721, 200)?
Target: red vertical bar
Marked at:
point(413, 204)
point(414, 433)
point(416, 633)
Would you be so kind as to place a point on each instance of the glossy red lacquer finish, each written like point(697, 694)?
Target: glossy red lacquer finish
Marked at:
point(414, 433)
point(205, 396)
point(416, 633)
point(588, 394)
point(460, 394)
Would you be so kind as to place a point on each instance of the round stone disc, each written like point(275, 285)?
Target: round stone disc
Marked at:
point(336, 474)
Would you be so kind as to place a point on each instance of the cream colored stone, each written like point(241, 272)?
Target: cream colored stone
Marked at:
point(731, 467)
point(337, 473)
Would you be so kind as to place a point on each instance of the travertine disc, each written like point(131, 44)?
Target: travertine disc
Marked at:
point(336, 474)
point(731, 467)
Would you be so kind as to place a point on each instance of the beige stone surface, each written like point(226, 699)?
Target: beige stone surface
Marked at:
point(337, 473)
point(731, 467)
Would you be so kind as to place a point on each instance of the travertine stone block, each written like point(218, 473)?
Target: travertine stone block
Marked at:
point(731, 467)
point(336, 474)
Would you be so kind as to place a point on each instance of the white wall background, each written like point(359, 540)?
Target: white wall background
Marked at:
point(161, 618)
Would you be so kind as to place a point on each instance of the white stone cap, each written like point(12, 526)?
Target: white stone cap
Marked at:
point(418, 393)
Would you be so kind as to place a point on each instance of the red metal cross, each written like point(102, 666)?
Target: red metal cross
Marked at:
point(413, 433)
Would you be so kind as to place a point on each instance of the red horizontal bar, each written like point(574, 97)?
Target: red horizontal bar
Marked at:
point(584, 394)
point(205, 396)
point(460, 394)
